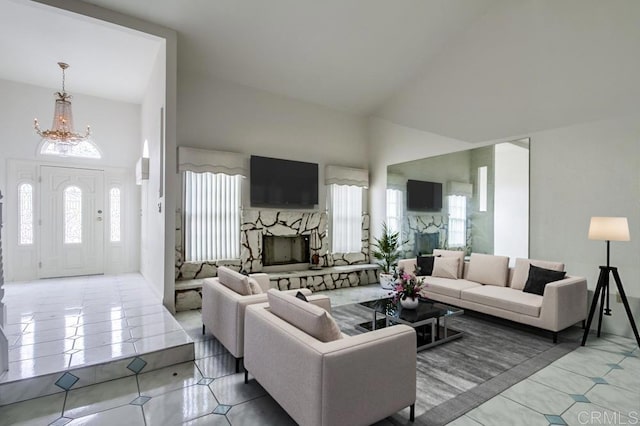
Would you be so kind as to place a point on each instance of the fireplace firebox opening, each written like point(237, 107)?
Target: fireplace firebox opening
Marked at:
point(285, 250)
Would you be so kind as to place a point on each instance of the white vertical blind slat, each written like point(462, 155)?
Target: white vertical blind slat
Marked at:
point(346, 217)
point(212, 211)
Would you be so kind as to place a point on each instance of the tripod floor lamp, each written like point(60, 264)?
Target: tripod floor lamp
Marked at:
point(608, 229)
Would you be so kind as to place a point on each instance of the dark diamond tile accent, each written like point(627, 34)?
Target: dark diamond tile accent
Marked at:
point(205, 381)
point(222, 409)
point(61, 421)
point(580, 398)
point(631, 354)
point(137, 365)
point(555, 420)
point(614, 366)
point(599, 381)
point(132, 340)
point(72, 351)
point(66, 381)
point(141, 400)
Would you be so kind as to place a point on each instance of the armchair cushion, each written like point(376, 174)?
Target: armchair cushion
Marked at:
point(254, 286)
point(234, 280)
point(307, 317)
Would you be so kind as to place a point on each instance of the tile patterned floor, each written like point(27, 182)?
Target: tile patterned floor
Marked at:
point(593, 383)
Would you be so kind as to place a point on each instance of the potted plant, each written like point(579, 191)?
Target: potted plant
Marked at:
point(407, 290)
point(386, 251)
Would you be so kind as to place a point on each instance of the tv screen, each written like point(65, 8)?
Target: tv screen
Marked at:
point(283, 183)
point(424, 196)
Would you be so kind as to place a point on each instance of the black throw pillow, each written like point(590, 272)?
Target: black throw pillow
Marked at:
point(301, 296)
point(424, 265)
point(540, 277)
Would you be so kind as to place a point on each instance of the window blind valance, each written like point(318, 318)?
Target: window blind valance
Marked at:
point(338, 175)
point(396, 182)
point(460, 188)
point(206, 160)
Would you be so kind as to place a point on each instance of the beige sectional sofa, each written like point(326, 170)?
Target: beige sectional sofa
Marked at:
point(487, 284)
point(319, 376)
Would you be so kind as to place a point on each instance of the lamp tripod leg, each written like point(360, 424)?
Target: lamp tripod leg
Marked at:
point(603, 297)
point(594, 303)
point(625, 302)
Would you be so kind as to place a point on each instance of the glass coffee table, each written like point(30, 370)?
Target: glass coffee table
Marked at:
point(429, 320)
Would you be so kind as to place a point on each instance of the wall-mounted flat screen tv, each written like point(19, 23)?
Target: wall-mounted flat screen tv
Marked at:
point(283, 183)
point(424, 196)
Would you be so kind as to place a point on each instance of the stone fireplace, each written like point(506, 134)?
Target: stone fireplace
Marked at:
point(425, 243)
point(285, 250)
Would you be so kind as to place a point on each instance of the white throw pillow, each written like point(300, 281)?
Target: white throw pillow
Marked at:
point(234, 280)
point(305, 316)
point(254, 286)
point(445, 267)
point(458, 254)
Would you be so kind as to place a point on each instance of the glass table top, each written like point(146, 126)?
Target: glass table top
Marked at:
point(426, 309)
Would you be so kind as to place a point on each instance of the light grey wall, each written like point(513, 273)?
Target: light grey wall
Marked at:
point(590, 169)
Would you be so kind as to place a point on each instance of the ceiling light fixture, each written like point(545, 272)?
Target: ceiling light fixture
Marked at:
point(62, 134)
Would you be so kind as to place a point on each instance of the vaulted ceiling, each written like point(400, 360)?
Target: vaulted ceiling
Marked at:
point(474, 70)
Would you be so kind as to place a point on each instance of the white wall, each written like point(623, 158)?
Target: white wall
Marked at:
point(153, 212)
point(511, 201)
point(225, 116)
point(590, 169)
point(115, 129)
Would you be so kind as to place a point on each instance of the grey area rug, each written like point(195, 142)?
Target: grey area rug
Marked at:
point(457, 376)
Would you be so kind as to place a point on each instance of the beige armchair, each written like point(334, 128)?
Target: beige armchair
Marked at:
point(223, 309)
point(353, 380)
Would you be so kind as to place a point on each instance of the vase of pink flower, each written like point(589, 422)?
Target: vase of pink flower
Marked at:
point(407, 289)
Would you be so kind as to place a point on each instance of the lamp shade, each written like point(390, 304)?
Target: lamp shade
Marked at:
point(609, 229)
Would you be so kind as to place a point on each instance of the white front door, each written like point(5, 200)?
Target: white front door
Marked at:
point(71, 222)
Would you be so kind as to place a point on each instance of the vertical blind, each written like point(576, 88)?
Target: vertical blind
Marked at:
point(394, 210)
point(457, 220)
point(212, 216)
point(346, 218)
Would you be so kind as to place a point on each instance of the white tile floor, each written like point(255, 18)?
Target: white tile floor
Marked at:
point(57, 325)
point(591, 385)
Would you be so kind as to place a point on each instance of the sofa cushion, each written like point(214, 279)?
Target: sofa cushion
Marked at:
point(539, 278)
point(445, 267)
point(448, 287)
point(307, 317)
point(254, 286)
point(424, 265)
point(452, 253)
point(488, 269)
point(234, 280)
point(521, 270)
point(504, 298)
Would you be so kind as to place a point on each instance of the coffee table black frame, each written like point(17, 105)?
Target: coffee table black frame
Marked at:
point(429, 320)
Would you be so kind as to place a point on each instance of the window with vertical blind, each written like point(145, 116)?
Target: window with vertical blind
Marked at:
point(346, 218)
point(212, 216)
point(394, 210)
point(457, 220)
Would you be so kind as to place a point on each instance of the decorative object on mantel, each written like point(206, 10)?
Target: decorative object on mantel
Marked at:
point(386, 250)
point(608, 229)
point(407, 289)
point(62, 134)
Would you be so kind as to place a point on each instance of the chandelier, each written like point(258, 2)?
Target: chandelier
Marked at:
point(62, 134)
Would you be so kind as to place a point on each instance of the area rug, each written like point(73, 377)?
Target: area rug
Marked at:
point(459, 375)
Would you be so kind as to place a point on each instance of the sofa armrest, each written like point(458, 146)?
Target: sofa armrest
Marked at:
point(263, 281)
point(364, 362)
point(320, 300)
point(564, 303)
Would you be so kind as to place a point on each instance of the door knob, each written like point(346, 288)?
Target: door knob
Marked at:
point(99, 211)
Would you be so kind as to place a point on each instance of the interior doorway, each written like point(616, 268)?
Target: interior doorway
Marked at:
point(71, 220)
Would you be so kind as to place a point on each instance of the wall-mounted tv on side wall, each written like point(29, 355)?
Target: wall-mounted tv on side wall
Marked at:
point(283, 183)
point(424, 196)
